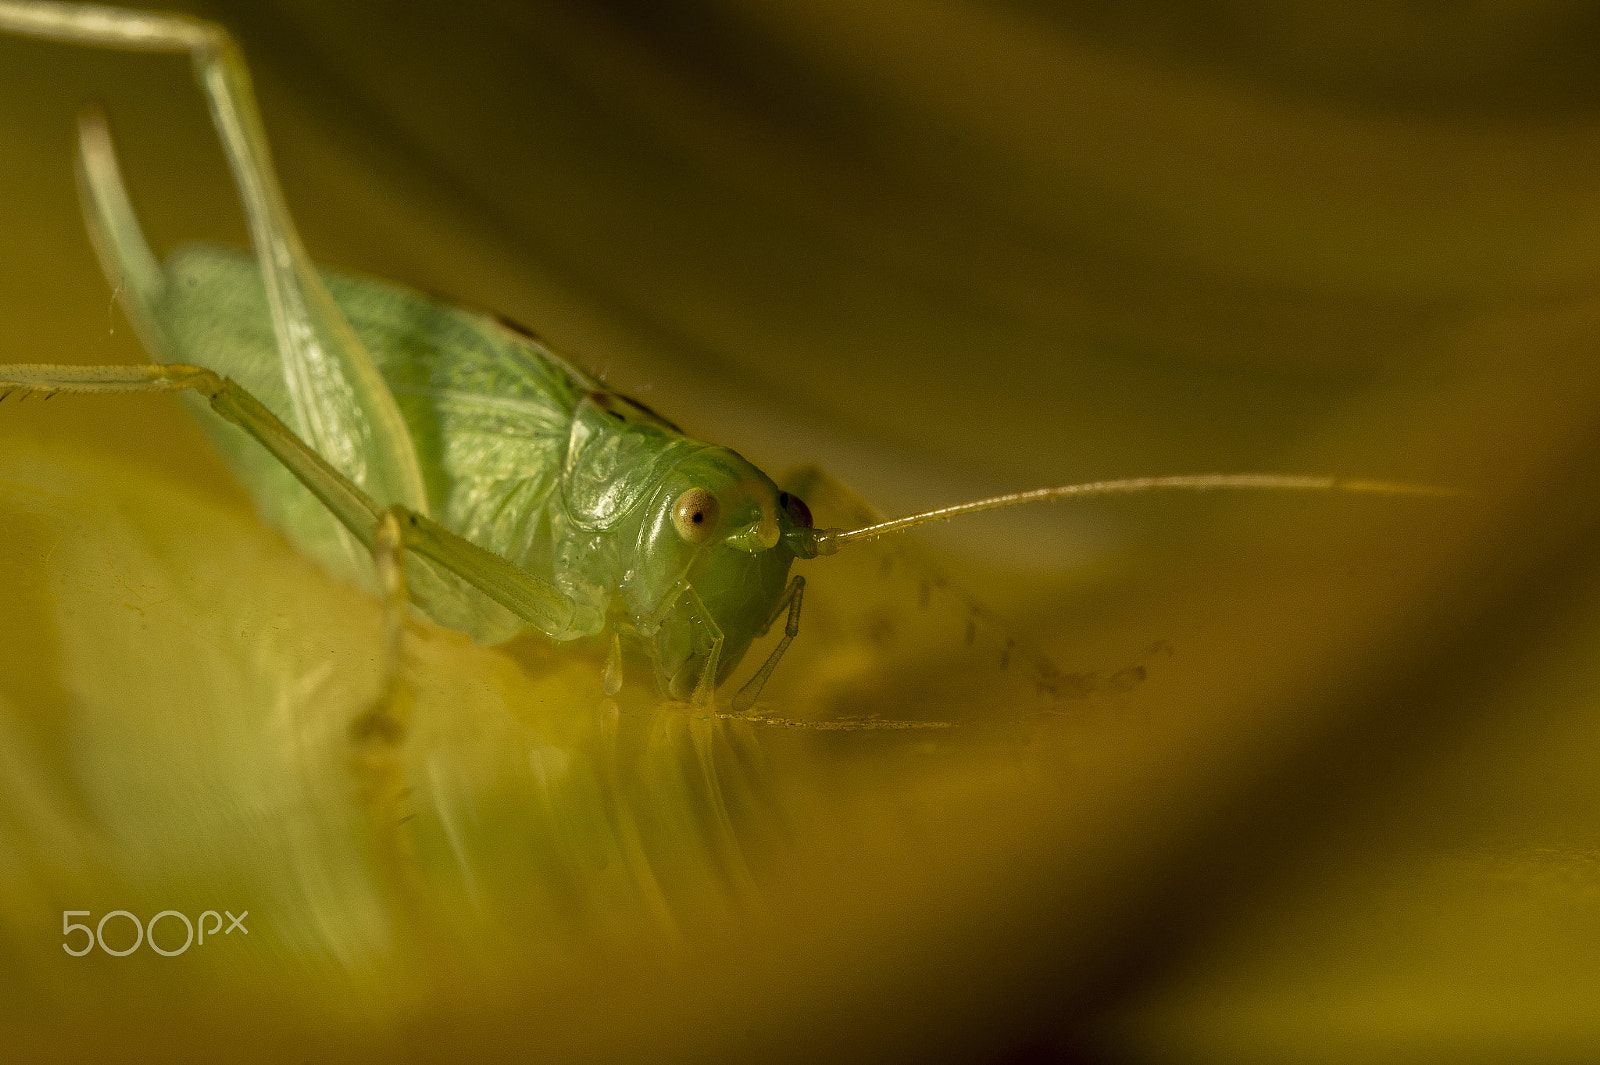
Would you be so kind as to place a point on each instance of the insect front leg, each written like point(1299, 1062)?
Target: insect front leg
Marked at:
point(705, 643)
point(792, 597)
point(339, 401)
point(711, 643)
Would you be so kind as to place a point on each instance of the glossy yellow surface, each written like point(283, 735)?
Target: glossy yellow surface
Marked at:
point(944, 250)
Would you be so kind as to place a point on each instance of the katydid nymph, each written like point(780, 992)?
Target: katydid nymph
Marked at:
point(494, 484)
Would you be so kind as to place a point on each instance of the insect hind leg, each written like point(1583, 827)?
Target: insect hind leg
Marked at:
point(132, 268)
point(339, 400)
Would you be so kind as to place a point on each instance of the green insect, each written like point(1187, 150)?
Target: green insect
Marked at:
point(478, 474)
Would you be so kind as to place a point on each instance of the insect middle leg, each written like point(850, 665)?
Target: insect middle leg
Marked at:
point(540, 604)
point(378, 733)
point(387, 532)
point(385, 721)
point(708, 644)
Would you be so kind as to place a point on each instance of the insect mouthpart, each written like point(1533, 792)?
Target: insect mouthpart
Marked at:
point(759, 535)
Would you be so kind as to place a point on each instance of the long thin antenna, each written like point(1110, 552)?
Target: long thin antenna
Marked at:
point(830, 540)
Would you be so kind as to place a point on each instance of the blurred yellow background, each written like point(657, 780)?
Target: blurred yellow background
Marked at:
point(941, 249)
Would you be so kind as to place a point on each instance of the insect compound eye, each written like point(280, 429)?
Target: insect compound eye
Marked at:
point(796, 508)
point(695, 515)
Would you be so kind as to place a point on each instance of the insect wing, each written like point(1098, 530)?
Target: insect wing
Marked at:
point(213, 313)
point(488, 409)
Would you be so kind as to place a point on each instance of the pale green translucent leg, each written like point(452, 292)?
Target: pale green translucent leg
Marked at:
point(708, 647)
point(385, 722)
point(378, 733)
point(341, 405)
point(136, 276)
point(746, 696)
point(536, 602)
point(706, 687)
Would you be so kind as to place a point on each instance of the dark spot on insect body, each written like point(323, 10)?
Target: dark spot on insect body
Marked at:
point(603, 401)
point(669, 423)
point(796, 508)
point(627, 409)
point(520, 329)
